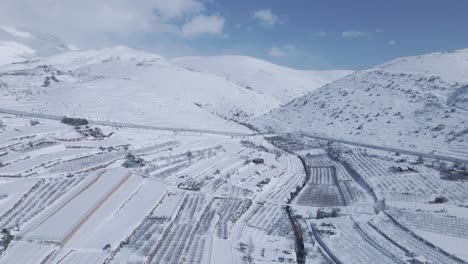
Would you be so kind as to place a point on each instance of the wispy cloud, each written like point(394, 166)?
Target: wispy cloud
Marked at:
point(392, 43)
point(277, 52)
point(202, 24)
point(379, 30)
point(266, 17)
point(354, 34)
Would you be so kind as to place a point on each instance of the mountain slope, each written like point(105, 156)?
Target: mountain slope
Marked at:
point(18, 45)
point(281, 83)
point(123, 84)
point(416, 102)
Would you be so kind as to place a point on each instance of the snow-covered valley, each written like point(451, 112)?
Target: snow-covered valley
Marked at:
point(118, 155)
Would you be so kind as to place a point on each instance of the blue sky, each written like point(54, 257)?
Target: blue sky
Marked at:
point(315, 29)
point(305, 34)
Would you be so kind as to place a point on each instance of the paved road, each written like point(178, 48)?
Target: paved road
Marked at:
point(128, 125)
point(227, 133)
point(391, 149)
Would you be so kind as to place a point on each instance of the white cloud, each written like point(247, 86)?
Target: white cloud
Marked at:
point(177, 8)
point(276, 52)
point(379, 30)
point(281, 51)
point(96, 23)
point(392, 42)
point(202, 24)
point(266, 17)
point(354, 34)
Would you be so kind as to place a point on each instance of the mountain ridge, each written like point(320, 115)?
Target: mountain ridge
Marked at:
point(407, 103)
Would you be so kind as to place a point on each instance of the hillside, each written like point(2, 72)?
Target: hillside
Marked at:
point(18, 45)
point(281, 83)
point(123, 84)
point(42, 74)
point(414, 103)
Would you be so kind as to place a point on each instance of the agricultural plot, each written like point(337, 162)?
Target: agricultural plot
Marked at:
point(235, 212)
point(271, 219)
point(11, 191)
point(322, 189)
point(349, 190)
point(119, 215)
point(28, 145)
point(62, 223)
point(27, 253)
point(342, 237)
point(433, 222)
point(228, 211)
point(143, 215)
point(20, 131)
point(74, 256)
point(288, 181)
point(214, 177)
point(237, 175)
point(95, 161)
point(291, 143)
point(36, 165)
point(214, 225)
point(180, 233)
point(410, 242)
point(144, 239)
point(156, 148)
point(266, 236)
point(163, 167)
point(381, 242)
point(43, 156)
point(421, 185)
point(44, 194)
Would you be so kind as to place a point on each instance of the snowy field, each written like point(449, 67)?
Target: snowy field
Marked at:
point(66, 197)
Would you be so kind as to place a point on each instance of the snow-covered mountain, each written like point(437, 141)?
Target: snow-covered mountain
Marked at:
point(416, 102)
point(129, 85)
point(123, 84)
point(281, 83)
point(17, 45)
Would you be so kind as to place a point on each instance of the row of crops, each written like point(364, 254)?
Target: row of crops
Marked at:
point(43, 195)
point(165, 166)
point(380, 238)
point(433, 222)
point(421, 184)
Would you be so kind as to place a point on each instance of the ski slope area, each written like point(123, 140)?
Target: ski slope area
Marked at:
point(417, 103)
point(281, 83)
